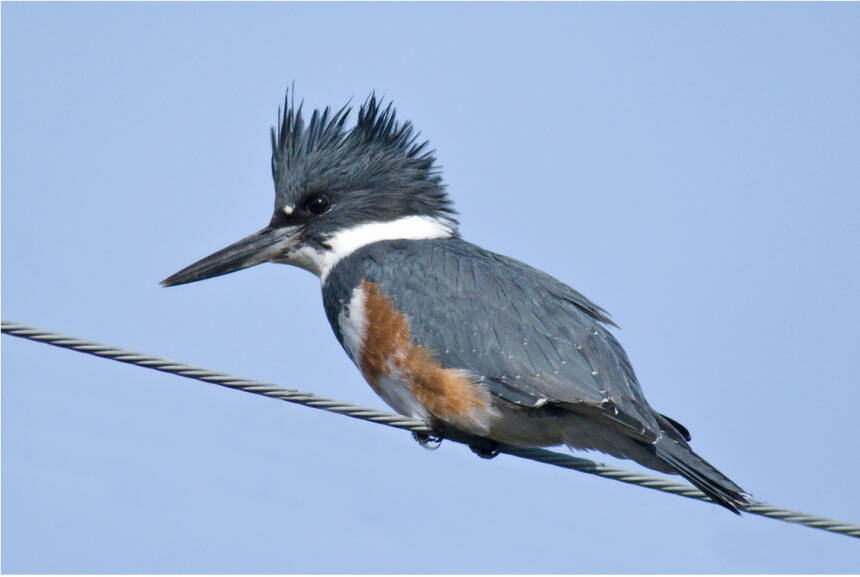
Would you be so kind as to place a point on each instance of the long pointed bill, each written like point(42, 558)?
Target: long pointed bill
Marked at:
point(260, 247)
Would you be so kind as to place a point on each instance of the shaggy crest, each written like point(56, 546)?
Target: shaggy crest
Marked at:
point(378, 152)
point(375, 126)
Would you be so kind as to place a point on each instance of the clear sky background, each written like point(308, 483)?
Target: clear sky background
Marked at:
point(692, 168)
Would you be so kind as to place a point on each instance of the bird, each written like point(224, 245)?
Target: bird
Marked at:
point(478, 345)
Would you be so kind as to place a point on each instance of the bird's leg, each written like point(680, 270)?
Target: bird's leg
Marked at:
point(481, 446)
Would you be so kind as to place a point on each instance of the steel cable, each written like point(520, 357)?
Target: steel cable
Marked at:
point(401, 422)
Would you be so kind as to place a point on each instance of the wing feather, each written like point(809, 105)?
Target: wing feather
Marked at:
point(530, 338)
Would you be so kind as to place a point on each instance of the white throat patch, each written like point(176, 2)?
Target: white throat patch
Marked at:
point(345, 242)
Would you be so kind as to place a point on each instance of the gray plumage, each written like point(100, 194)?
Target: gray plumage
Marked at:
point(352, 166)
point(532, 341)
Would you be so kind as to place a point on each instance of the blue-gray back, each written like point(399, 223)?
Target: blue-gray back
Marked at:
point(528, 337)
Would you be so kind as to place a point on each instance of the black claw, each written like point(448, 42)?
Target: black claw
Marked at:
point(429, 441)
point(486, 450)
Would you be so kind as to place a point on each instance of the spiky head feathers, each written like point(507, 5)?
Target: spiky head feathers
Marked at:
point(374, 171)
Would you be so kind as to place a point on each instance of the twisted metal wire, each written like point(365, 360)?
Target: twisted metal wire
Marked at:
point(415, 426)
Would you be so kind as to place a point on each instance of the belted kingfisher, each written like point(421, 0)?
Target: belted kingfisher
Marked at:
point(472, 342)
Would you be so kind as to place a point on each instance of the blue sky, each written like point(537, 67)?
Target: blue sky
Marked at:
point(691, 168)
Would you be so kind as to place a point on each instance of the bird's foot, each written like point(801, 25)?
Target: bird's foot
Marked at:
point(486, 449)
point(429, 441)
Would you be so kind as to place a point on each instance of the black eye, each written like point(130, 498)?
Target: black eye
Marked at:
point(317, 204)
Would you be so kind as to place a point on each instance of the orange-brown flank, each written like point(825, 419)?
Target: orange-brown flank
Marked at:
point(388, 344)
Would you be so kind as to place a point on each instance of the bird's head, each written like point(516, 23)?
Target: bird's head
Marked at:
point(338, 189)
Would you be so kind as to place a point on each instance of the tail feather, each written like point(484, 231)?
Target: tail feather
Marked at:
point(700, 473)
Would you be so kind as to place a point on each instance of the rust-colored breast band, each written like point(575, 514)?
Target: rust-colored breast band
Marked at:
point(388, 349)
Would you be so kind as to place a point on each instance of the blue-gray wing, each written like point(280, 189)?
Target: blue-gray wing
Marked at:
point(530, 338)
